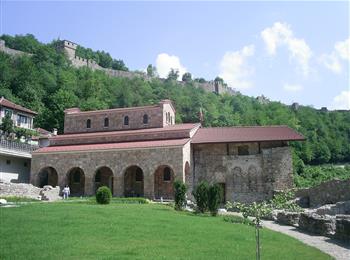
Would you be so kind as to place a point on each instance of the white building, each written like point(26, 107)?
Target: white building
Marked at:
point(15, 157)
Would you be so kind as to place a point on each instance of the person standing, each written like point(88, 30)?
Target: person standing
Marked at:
point(66, 192)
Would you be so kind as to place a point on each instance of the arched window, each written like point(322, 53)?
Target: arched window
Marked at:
point(167, 174)
point(145, 119)
point(138, 175)
point(106, 122)
point(126, 120)
point(88, 123)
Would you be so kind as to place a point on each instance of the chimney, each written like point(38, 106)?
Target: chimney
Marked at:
point(55, 131)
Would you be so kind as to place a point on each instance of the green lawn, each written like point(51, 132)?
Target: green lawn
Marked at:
point(133, 231)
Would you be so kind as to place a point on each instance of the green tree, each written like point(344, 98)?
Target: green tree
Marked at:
point(173, 75)
point(180, 195)
point(187, 77)
point(151, 71)
point(7, 125)
point(200, 194)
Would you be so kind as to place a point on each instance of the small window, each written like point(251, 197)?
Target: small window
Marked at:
point(243, 150)
point(138, 175)
point(76, 177)
point(106, 124)
point(25, 164)
point(8, 112)
point(145, 119)
point(167, 174)
point(88, 123)
point(8, 161)
point(126, 120)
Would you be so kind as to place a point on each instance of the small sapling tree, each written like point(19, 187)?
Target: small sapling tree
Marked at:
point(257, 211)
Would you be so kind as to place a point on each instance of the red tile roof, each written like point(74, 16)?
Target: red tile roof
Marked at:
point(246, 134)
point(170, 128)
point(109, 146)
point(6, 103)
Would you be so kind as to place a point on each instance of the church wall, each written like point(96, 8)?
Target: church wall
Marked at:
point(117, 160)
point(247, 178)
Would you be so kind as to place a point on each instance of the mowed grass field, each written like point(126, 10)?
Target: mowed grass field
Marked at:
point(133, 231)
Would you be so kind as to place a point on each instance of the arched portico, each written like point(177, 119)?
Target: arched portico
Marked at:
point(47, 176)
point(76, 181)
point(133, 182)
point(164, 182)
point(103, 177)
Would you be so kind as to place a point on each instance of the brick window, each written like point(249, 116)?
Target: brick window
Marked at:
point(167, 174)
point(106, 124)
point(126, 120)
point(145, 119)
point(8, 161)
point(243, 150)
point(25, 164)
point(88, 123)
point(138, 175)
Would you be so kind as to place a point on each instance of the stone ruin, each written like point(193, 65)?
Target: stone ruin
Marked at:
point(329, 214)
point(47, 193)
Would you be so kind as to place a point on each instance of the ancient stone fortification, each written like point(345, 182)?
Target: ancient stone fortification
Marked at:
point(326, 193)
point(9, 51)
point(70, 49)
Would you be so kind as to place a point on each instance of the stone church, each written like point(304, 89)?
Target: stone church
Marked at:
point(140, 151)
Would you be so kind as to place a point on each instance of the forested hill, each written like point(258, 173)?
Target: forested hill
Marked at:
point(46, 82)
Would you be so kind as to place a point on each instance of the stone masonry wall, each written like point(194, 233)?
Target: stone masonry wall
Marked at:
point(76, 122)
point(247, 178)
point(329, 192)
point(117, 160)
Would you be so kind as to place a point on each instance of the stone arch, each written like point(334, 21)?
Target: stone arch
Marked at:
point(103, 177)
point(47, 176)
point(164, 182)
point(133, 182)
point(76, 181)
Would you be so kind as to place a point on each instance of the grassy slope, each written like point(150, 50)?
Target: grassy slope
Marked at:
point(131, 231)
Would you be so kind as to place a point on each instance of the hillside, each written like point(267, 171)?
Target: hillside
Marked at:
point(47, 83)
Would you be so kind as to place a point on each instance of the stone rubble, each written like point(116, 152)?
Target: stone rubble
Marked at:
point(48, 193)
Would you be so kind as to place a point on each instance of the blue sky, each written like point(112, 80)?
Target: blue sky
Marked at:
point(288, 51)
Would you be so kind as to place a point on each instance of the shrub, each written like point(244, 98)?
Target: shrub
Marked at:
point(200, 194)
point(103, 195)
point(180, 195)
point(214, 198)
point(284, 200)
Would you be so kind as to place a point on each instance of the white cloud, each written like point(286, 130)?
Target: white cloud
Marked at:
point(343, 49)
point(166, 62)
point(342, 101)
point(280, 34)
point(234, 70)
point(292, 87)
point(332, 61)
